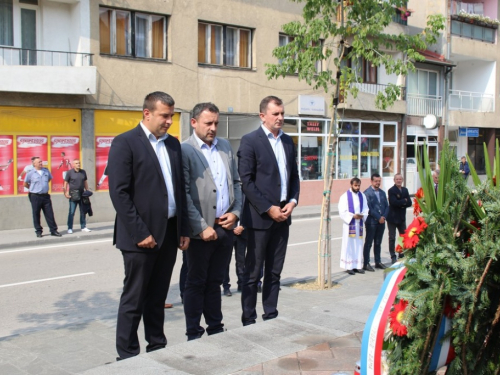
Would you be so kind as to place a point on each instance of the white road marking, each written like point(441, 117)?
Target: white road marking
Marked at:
point(306, 243)
point(54, 246)
point(50, 279)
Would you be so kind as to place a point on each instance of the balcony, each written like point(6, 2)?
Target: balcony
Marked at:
point(471, 101)
point(375, 88)
point(422, 105)
point(48, 72)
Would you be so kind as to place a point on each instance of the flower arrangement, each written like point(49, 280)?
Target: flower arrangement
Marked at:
point(476, 18)
point(447, 307)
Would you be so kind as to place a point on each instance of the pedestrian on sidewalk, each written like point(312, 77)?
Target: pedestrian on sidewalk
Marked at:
point(353, 210)
point(75, 184)
point(375, 222)
point(399, 201)
point(270, 182)
point(37, 182)
point(146, 186)
point(213, 191)
point(464, 168)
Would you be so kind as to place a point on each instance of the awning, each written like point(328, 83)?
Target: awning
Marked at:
point(436, 58)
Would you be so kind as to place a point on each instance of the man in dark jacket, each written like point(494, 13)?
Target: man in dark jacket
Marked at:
point(464, 168)
point(375, 223)
point(399, 201)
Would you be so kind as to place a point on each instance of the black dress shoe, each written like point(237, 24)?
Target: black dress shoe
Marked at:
point(350, 272)
point(227, 292)
point(369, 268)
point(382, 266)
point(39, 234)
point(401, 256)
point(56, 234)
point(393, 260)
point(358, 270)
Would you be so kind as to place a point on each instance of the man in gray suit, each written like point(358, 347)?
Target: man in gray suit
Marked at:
point(213, 190)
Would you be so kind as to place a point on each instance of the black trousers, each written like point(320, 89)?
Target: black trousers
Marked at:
point(240, 247)
point(207, 262)
point(42, 202)
point(374, 234)
point(264, 247)
point(183, 274)
point(401, 227)
point(145, 288)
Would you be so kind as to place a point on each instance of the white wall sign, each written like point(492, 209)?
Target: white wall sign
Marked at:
point(311, 105)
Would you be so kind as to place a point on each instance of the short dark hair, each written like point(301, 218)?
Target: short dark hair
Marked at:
point(375, 175)
point(35, 157)
point(200, 107)
point(269, 99)
point(157, 96)
point(355, 180)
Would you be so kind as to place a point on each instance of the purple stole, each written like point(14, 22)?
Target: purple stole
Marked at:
point(352, 224)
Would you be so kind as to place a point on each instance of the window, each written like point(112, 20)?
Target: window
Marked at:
point(116, 28)
point(285, 39)
point(423, 82)
point(6, 23)
point(224, 45)
point(364, 69)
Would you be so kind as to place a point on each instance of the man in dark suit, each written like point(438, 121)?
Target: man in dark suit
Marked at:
point(146, 185)
point(375, 222)
point(399, 201)
point(270, 182)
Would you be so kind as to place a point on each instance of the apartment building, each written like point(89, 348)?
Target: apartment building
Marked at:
point(459, 84)
point(74, 74)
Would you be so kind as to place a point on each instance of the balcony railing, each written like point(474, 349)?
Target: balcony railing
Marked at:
point(422, 105)
point(485, 33)
point(23, 56)
point(375, 88)
point(471, 101)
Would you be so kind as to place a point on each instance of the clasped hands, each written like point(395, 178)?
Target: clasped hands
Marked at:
point(149, 243)
point(226, 221)
point(281, 214)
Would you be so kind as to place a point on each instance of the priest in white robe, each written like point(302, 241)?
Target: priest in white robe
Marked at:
point(353, 210)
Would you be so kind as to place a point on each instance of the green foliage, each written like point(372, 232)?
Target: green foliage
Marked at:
point(454, 267)
point(360, 25)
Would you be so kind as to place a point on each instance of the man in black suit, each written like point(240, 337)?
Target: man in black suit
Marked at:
point(399, 201)
point(146, 185)
point(270, 182)
point(375, 223)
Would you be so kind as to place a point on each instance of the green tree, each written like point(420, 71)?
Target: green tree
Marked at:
point(351, 29)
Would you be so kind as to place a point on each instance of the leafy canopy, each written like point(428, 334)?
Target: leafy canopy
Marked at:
point(351, 30)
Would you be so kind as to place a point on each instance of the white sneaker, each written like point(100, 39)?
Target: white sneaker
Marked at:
point(86, 230)
point(70, 231)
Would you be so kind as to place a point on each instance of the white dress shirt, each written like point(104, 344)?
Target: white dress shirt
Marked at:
point(279, 152)
point(161, 153)
point(219, 174)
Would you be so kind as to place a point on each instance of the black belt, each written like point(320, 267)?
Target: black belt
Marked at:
point(282, 204)
point(43, 194)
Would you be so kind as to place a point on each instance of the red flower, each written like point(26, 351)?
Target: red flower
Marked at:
point(410, 238)
point(495, 180)
point(396, 318)
point(416, 208)
point(420, 193)
point(480, 203)
point(474, 223)
point(398, 249)
point(449, 310)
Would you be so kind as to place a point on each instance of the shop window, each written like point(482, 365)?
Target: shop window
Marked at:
point(311, 157)
point(116, 28)
point(370, 156)
point(349, 128)
point(388, 161)
point(291, 125)
point(6, 23)
point(370, 129)
point(224, 45)
point(312, 126)
point(389, 133)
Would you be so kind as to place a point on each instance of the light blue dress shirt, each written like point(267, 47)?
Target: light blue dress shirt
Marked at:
point(38, 180)
point(219, 174)
point(161, 153)
point(279, 152)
